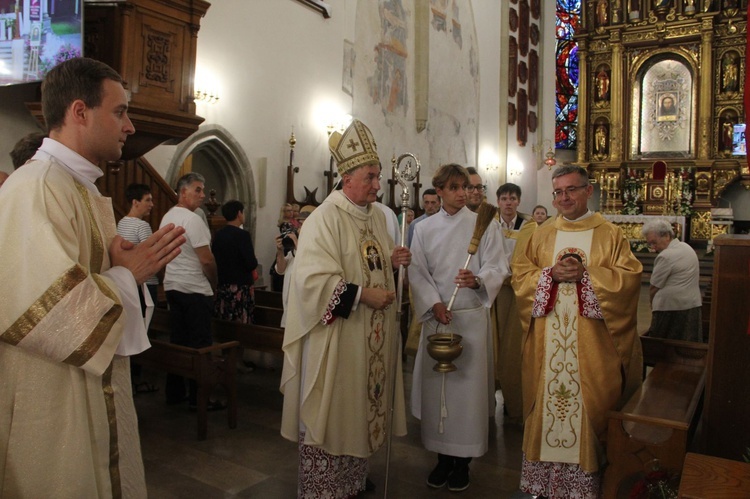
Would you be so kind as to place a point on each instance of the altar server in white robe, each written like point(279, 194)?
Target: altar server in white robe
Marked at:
point(455, 407)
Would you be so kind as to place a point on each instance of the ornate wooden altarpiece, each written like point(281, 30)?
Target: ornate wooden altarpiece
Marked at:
point(662, 82)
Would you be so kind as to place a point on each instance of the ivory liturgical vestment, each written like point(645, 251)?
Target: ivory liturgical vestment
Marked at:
point(68, 426)
point(581, 351)
point(337, 376)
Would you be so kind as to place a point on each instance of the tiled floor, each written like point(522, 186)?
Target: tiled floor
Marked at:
point(253, 460)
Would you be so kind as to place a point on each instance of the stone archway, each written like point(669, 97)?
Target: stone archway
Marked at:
point(221, 159)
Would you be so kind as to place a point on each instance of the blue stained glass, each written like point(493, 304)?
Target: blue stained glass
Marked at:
point(566, 105)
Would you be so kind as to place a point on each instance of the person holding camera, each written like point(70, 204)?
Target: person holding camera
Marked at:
point(286, 248)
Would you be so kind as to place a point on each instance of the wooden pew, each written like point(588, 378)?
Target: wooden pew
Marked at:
point(252, 336)
point(659, 419)
point(265, 298)
point(208, 366)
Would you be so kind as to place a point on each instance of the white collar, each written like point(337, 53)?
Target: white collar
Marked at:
point(82, 169)
point(582, 217)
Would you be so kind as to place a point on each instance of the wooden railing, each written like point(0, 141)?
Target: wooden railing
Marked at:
point(118, 176)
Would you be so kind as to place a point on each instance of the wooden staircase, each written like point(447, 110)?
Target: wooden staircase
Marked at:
point(116, 178)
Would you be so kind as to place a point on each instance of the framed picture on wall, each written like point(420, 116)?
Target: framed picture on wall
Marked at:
point(347, 78)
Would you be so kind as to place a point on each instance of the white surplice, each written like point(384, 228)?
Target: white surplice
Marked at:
point(439, 250)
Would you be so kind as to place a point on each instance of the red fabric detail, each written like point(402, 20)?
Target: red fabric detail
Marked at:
point(328, 317)
point(324, 475)
point(659, 170)
point(559, 480)
point(546, 294)
point(588, 303)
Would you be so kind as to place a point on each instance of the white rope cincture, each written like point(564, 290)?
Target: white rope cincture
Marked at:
point(443, 408)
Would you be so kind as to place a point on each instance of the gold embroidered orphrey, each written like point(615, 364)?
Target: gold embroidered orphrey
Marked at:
point(563, 409)
point(376, 269)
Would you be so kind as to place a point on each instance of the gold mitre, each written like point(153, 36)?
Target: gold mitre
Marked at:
point(355, 147)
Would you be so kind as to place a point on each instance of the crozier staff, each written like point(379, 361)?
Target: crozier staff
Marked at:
point(336, 359)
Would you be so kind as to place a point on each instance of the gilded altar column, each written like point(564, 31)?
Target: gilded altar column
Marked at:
point(583, 101)
point(705, 123)
point(617, 94)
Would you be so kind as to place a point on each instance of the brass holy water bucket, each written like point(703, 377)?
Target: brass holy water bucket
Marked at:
point(444, 348)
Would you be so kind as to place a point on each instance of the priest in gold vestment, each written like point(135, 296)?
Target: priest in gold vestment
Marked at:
point(70, 312)
point(577, 288)
point(342, 343)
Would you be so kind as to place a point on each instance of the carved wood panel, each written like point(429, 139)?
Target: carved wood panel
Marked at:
point(523, 72)
point(512, 66)
point(533, 77)
point(522, 133)
point(523, 28)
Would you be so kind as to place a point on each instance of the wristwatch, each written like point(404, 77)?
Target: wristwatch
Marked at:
point(478, 280)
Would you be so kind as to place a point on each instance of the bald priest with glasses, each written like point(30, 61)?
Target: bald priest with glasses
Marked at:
point(577, 288)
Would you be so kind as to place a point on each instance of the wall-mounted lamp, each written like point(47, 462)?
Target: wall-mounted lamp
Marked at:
point(208, 96)
point(338, 124)
point(515, 169)
point(550, 160)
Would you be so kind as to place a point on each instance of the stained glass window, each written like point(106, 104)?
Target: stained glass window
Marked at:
point(566, 104)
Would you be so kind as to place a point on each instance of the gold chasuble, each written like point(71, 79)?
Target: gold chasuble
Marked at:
point(507, 330)
point(336, 376)
point(581, 351)
point(68, 427)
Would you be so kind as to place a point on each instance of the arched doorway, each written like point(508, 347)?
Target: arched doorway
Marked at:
point(215, 154)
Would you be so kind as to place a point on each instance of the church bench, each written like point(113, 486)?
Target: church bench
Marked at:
point(267, 316)
point(709, 477)
point(658, 421)
point(208, 366)
point(253, 336)
point(265, 298)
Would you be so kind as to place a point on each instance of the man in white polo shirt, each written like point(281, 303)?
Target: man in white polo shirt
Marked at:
point(190, 282)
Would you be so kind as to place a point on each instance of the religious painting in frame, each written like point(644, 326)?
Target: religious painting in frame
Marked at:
point(511, 114)
point(536, 9)
point(513, 19)
point(523, 28)
point(319, 5)
point(532, 122)
point(533, 77)
point(512, 66)
point(347, 78)
point(522, 133)
point(534, 34)
point(523, 72)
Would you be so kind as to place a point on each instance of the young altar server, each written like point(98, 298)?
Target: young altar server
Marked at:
point(455, 407)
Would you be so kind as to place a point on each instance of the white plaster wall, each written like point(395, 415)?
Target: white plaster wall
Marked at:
point(276, 65)
point(492, 101)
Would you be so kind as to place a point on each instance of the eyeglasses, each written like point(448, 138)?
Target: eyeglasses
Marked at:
point(369, 179)
point(472, 188)
point(569, 190)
